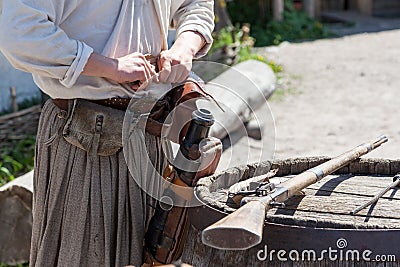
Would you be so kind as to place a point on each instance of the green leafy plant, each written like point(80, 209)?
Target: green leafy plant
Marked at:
point(224, 37)
point(230, 36)
point(245, 53)
point(17, 159)
point(26, 103)
point(19, 265)
point(29, 102)
point(296, 24)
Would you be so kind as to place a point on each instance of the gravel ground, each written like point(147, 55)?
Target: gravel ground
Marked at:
point(342, 92)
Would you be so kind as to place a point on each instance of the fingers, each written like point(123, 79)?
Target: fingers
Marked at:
point(149, 70)
point(135, 85)
point(133, 67)
point(174, 68)
point(179, 73)
point(165, 70)
point(145, 69)
point(184, 73)
point(144, 85)
point(173, 73)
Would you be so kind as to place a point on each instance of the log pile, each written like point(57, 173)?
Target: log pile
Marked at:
point(241, 90)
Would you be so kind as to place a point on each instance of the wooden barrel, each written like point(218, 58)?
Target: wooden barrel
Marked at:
point(315, 228)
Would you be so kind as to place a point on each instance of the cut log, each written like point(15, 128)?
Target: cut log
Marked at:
point(240, 90)
point(16, 220)
point(254, 129)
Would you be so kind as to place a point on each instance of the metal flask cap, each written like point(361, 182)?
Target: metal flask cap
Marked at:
point(203, 116)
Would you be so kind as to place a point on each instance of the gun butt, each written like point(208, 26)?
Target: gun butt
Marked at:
point(239, 230)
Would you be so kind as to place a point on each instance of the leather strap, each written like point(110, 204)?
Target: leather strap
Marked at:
point(115, 102)
point(155, 121)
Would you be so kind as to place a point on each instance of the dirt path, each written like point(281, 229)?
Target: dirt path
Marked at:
point(346, 91)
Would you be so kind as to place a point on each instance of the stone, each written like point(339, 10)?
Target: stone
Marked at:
point(16, 220)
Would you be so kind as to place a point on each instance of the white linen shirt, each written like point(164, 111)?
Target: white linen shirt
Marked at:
point(53, 39)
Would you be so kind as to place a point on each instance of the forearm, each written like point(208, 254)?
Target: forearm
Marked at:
point(189, 41)
point(100, 66)
point(32, 41)
point(196, 16)
point(130, 68)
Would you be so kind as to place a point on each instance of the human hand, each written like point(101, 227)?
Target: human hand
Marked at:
point(133, 69)
point(174, 65)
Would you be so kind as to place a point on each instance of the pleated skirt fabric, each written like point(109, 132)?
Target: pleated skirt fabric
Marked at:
point(85, 213)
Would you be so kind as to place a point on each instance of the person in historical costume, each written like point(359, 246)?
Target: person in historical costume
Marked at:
point(87, 210)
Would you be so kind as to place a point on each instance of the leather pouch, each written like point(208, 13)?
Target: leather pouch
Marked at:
point(98, 129)
point(180, 103)
point(94, 128)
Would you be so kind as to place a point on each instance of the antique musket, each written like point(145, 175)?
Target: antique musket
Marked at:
point(243, 228)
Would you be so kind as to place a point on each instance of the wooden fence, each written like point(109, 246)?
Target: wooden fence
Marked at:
point(18, 125)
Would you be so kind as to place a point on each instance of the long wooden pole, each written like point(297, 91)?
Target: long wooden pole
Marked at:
point(309, 7)
point(14, 104)
point(277, 10)
point(365, 7)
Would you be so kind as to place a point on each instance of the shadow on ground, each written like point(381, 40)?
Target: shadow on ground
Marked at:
point(343, 23)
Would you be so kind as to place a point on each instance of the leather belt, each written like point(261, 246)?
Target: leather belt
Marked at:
point(154, 124)
point(153, 127)
point(153, 61)
point(114, 102)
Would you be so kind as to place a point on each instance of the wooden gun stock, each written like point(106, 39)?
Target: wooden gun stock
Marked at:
point(243, 228)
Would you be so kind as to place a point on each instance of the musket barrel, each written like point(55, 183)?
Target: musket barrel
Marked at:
point(243, 228)
point(313, 175)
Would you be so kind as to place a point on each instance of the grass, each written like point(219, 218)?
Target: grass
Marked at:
point(281, 93)
point(17, 159)
point(284, 83)
point(230, 36)
point(26, 103)
point(19, 265)
point(245, 53)
point(285, 87)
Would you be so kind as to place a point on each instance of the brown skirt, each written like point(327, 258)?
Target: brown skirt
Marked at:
point(85, 214)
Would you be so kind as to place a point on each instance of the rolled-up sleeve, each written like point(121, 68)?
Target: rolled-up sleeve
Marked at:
point(33, 42)
point(196, 15)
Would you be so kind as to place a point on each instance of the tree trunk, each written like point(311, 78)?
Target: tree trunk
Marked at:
point(222, 19)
